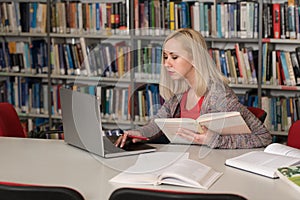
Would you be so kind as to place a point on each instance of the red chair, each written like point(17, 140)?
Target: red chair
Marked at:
point(17, 191)
point(259, 113)
point(293, 139)
point(10, 125)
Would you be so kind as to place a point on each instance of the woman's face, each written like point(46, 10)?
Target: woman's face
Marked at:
point(177, 61)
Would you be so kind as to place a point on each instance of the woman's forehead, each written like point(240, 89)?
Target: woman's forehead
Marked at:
point(174, 46)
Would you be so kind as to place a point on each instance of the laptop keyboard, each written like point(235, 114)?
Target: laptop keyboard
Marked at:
point(129, 146)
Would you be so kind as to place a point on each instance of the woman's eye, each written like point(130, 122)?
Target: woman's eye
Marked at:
point(174, 57)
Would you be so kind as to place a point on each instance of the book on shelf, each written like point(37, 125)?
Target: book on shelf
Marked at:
point(290, 175)
point(276, 20)
point(220, 122)
point(178, 173)
point(266, 162)
point(291, 19)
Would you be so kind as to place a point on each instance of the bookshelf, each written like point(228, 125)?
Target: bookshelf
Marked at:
point(130, 33)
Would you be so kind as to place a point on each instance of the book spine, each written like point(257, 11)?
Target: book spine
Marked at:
point(276, 20)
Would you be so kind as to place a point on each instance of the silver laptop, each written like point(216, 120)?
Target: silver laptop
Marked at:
point(83, 129)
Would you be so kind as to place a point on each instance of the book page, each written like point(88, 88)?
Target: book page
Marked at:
point(181, 172)
point(189, 173)
point(148, 167)
point(282, 149)
point(170, 127)
point(261, 162)
point(224, 122)
point(219, 122)
point(216, 115)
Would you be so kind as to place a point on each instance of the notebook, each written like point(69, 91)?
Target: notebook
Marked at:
point(83, 128)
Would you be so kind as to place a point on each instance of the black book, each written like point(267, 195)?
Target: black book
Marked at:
point(25, 16)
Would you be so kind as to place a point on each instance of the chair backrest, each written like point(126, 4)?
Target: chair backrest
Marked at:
point(258, 112)
point(10, 125)
point(294, 135)
point(149, 194)
point(15, 191)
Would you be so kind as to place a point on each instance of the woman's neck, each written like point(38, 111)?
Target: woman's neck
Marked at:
point(192, 99)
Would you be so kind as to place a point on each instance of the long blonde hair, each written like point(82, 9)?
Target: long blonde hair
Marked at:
point(206, 71)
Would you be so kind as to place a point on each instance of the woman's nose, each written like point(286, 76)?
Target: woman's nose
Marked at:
point(167, 63)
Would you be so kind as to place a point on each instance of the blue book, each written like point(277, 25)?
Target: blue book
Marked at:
point(206, 20)
point(273, 114)
point(2, 60)
point(219, 21)
point(9, 90)
point(33, 16)
point(185, 15)
point(158, 60)
point(223, 62)
point(202, 18)
point(70, 59)
point(98, 12)
point(148, 101)
point(285, 68)
point(91, 89)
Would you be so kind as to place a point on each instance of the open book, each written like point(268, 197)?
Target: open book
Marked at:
point(220, 122)
point(185, 172)
point(266, 162)
point(290, 175)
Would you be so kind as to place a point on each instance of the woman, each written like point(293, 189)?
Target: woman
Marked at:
point(192, 85)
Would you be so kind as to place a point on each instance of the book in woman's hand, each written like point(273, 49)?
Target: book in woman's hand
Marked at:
point(290, 175)
point(266, 162)
point(219, 122)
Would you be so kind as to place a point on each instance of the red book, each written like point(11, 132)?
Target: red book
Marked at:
point(276, 20)
point(281, 77)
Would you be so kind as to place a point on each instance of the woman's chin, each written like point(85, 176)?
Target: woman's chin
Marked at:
point(175, 76)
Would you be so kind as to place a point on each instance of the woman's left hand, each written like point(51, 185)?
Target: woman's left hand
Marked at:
point(194, 137)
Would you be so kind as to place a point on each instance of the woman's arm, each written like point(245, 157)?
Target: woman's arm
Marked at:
point(259, 136)
point(166, 111)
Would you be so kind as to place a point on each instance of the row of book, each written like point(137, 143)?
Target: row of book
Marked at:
point(23, 17)
point(151, 17)
point(107, 59)
point(90, 17)
point(239, 65)
point(94, 59)
point(282, 112)
point(66, 17)
point(219, 19)
point(28, 95)
point(280, 67)
point(147, 59)
point(281, 20)
point(25, 57)
point(211, 18)
point(116, 102)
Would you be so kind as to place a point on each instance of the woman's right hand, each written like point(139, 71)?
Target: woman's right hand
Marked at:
point(122, 139)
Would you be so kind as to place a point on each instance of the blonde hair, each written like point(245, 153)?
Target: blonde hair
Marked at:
point(206, 71)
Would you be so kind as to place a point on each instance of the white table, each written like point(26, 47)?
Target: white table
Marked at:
point(52, 162)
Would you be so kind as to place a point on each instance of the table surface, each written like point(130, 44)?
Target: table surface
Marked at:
point(53, 162)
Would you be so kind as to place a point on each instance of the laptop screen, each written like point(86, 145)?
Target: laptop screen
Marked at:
point(83, 128)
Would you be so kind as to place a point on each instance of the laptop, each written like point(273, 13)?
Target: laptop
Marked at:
point(83, 128)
